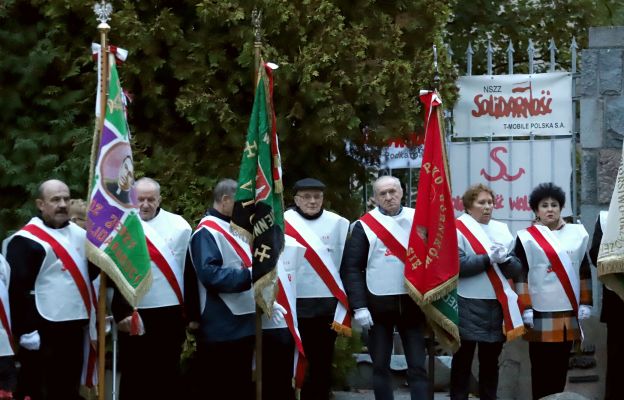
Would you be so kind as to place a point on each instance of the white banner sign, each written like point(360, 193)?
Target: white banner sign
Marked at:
point(399, 155)
point(512, 169)
point(514, 105)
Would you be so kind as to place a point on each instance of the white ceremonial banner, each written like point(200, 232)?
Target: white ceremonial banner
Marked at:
point(514, 105)
point(398, 154)
point(512, 169)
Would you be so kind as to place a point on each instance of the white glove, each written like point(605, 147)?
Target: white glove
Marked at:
point(278, 312)
point(364, 318)
point(584, 312)
point(499, 253)
point(527, 317)
point(30, 341)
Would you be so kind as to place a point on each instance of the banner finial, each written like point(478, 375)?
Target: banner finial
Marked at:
point(103, 11)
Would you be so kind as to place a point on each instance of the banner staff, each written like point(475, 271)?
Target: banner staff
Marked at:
point(102, 10)
point(256, 21)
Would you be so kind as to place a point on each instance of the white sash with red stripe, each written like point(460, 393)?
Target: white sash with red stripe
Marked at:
point(235, 253)
point(62, 291)
point(554, 283)
point(320, 259)
point(292, 255)
point(168, 275)
point(387, 237)
point(492, 280)
point(6, 336)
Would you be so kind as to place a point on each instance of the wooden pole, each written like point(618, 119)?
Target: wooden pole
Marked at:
point(256, 20)
point(103, 10)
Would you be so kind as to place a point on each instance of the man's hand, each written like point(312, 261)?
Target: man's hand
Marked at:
point(30, 341)
point(278, 312)
point(527, 317)
point(364, 318)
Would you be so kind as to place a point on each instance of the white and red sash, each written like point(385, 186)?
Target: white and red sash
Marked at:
point(163, 258)
point(321, 261)
point(560, 263)
point(237, 252)
point(479, 241)
point(292, 255)
point(385, 272)
point(76, 265)
point(7, 346)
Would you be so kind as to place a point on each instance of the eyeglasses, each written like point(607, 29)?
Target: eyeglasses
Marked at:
point(308, 197)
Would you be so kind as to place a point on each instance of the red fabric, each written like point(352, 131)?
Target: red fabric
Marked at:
point(5, 324)
point(228, 236)
point(395, 247)
point(68, 262)
point(556, 265)
point(434, 262)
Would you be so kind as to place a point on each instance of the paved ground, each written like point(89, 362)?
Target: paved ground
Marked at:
point(368, 395)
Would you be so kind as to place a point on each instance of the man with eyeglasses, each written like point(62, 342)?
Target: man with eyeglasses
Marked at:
point(322, 308)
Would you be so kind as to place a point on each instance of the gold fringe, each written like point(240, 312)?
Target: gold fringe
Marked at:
point(441, 291)
point(341, 329)
point(445, 330)
point(610, 265)
point(414, 293)
point(269, 280)
point(515, 333)
point(108, 266)
point(242, 232)
point(278, 185)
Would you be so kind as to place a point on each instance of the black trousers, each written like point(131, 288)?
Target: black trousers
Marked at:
point(615, 355)
point(549, 367)
point(488, 369)
point(150, 363)
point(225, 369)
point(278, 350)
point(53, 371)
point(318, 342)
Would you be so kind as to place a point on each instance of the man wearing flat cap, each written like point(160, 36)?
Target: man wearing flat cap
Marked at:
point(322, 306)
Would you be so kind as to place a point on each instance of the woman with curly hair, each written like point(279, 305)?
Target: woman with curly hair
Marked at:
point(555, 288)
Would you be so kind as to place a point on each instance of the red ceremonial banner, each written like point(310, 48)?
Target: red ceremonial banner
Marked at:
point(432, 264)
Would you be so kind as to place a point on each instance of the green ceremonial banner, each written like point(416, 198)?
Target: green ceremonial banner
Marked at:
point(115, 238)
point(258, 213)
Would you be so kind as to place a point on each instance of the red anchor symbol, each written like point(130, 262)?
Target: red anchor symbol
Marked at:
point(503, 168)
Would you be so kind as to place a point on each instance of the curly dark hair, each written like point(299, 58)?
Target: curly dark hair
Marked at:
point(472, 193)
point(545, 190)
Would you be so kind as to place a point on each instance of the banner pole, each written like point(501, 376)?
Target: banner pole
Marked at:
point(256, 20)
point(103, 11)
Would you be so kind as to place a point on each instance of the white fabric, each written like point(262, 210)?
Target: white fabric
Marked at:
point(170, 234)
point(479, 286)
point(5, 273)
point(384, 271)
point(545, 289)
point(287, 274)
point(326, 235)
point(239, 303)
point(56, 294)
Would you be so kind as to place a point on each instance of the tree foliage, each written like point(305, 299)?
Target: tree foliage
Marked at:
point(345, 66)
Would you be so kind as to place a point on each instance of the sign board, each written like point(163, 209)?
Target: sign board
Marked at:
point(512, 169)
point(514, 105)
point(401, 154)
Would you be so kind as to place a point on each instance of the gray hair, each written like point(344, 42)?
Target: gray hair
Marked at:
point(225, 187)
point(394, 179)
point(150, 181)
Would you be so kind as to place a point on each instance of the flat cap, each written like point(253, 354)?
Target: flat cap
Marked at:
point(308, 183)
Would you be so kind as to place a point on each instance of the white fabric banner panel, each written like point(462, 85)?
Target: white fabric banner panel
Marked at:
point(514, 105)
point(512, 169)
point(399, 155)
